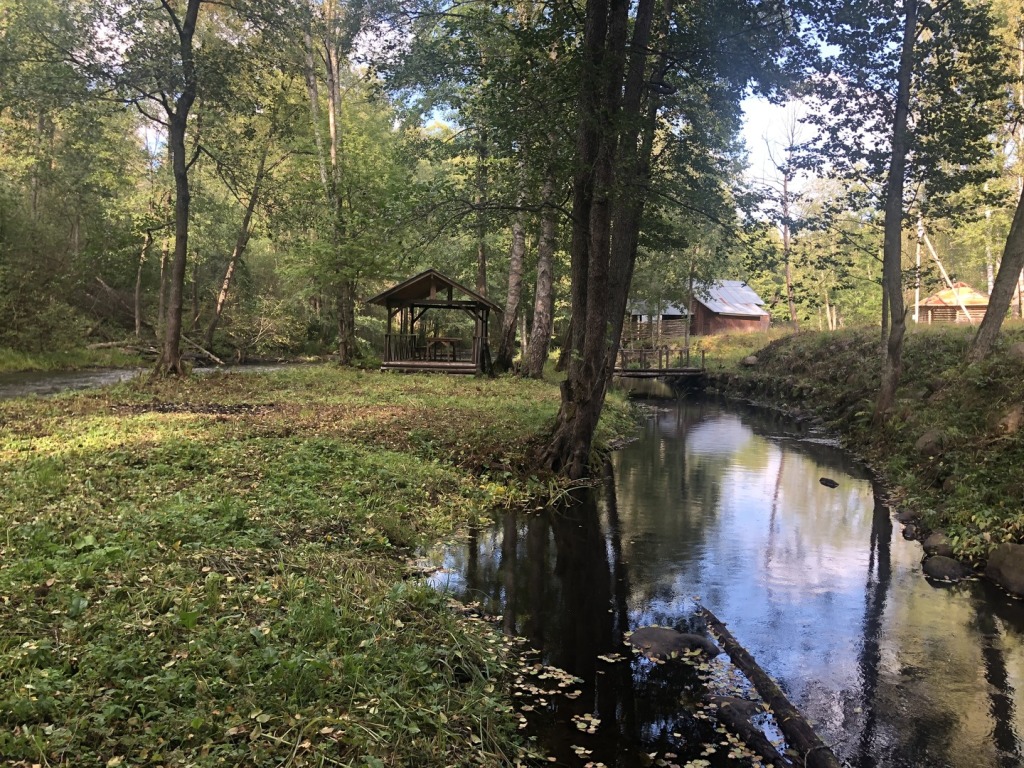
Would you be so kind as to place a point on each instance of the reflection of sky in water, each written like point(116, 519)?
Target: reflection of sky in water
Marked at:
point(726, 508)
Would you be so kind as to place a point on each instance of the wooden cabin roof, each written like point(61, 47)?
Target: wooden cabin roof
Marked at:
point(429, 285)
point(952, 297)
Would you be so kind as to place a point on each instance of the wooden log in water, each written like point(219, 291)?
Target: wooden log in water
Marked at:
point(735, 715)
point(798, 732)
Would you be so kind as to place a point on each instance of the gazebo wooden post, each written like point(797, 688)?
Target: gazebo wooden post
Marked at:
point(485, 353)
point(387, 336)
point(477, 345)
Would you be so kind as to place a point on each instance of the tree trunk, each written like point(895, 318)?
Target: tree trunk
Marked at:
point(240, 243)
point(346, 307)
point(481, 215)
point(892, 262)
point(516, 256)
point(143, 256)
point(170, 360)
point(195, 292)
point(161, 310)
point(1002, 289)
point(177, 123)
point(786, 249)
point(612, 142)
point(544, 296)
point(314, 108)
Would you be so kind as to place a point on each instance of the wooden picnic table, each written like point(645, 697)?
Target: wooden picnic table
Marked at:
point(436, 346)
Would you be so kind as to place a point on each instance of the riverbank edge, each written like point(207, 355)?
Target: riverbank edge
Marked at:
point(935, 456)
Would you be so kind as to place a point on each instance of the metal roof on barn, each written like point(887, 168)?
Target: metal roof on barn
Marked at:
point(731, 297)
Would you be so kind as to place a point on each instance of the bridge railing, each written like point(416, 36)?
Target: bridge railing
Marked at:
point(662, 357)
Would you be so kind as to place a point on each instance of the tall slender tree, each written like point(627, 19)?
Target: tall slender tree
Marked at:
point(904, 89)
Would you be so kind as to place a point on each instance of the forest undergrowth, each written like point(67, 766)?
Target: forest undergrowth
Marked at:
point(213, 571)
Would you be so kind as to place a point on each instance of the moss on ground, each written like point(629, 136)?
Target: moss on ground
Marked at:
point(212, 571)
point(954, 445)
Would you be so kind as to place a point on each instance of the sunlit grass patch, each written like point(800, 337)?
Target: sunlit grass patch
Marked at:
point(211, 571)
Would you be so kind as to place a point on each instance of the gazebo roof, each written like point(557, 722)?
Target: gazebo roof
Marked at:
point(952, 297)
point(425, 287)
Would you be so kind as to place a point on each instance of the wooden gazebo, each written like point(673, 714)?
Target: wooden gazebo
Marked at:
point(411, 344)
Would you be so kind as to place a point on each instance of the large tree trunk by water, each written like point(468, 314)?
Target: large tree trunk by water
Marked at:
point(1003, 289)
point(892, 252)
point(544, 296)
point(606, 217)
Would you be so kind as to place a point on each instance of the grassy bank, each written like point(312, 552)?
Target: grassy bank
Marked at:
point(12, 361)
point(211, 572)
point(953, 448)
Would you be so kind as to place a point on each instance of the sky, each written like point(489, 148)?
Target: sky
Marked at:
point(764, 127)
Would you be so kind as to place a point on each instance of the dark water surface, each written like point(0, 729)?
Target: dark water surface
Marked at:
point(22, 384)
point(723, 507)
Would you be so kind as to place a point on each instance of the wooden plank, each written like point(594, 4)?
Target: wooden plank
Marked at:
point(428, 366)
point(656, 373)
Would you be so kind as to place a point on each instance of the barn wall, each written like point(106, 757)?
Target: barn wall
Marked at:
point(950, 314)
point(707, 323)
point(642, 330)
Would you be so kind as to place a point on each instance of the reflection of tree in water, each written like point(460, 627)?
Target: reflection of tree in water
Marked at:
point(870, 657)
point(1000, 691)
point(559, 580)
point(658, 467)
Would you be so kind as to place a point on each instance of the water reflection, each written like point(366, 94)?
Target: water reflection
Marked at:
point(725, 506)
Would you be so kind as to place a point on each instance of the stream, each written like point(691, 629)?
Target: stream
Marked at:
point(722, 506)
point(26, 383)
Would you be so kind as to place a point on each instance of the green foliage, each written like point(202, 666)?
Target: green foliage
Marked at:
point(210, 571)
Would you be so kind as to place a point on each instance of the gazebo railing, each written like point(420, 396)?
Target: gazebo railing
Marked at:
point(399, 346)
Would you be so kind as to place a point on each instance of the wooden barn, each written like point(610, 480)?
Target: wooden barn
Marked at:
point(728, 306)
point(436, 325)
point(950, 304)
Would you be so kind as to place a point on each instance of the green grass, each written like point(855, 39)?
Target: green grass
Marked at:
point(726, 350)
point(12, 361)
point(212, 571)
point(971, 486)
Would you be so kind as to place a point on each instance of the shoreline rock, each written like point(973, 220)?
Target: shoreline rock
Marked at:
point(1006, 567)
